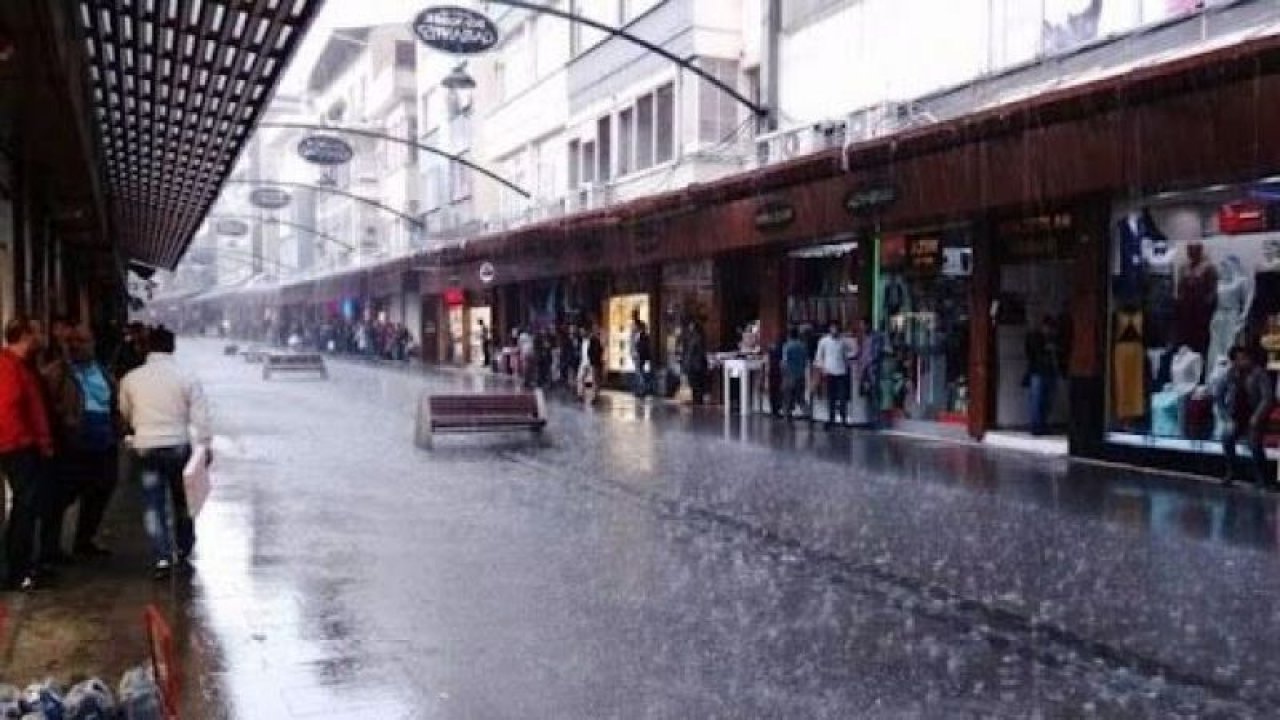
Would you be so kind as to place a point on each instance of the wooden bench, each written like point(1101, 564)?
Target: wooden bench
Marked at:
point(473, 413)
point(293, 362)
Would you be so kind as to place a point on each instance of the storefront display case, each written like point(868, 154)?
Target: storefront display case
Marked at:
point(1193, 274)
point(924, 306)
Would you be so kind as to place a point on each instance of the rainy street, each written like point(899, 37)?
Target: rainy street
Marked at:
point(646, 561)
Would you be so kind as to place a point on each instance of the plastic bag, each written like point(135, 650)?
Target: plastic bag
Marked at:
point(195, 479)
point(10, 703)
point(89, 700)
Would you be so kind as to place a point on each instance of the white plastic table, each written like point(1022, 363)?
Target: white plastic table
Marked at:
point(745, 371)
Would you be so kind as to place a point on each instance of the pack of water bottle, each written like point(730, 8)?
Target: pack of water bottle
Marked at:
point(137, 698)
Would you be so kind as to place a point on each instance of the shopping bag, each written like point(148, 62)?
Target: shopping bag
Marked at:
point(195, 479)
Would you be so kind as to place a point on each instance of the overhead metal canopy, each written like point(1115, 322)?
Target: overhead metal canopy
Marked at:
point(176, 87)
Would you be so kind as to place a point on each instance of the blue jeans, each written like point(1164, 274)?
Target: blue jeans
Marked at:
point(1042, 387)
point(160, 472)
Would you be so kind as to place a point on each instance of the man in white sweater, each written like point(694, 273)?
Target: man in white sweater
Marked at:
point(166, 410)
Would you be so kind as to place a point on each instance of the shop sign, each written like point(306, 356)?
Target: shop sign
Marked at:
point(231, 227)
point(325, 150)
point(870, 200)
point(269, 198)
point(455, 30)
point(924, 254)
point(487, 273)
point(454, 297)
point(771, 216)
point(1040, 237)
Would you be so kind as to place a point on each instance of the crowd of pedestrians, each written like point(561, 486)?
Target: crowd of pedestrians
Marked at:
point(66, 417)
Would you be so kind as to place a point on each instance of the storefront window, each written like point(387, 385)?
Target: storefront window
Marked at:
point(823, 286)
point(924, 285)
point(1193, 274)
point(621, 310)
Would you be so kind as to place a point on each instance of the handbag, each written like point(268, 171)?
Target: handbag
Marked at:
point(196, 481)
point(1242, 216)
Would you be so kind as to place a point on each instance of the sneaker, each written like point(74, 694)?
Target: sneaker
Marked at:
point(162, 569)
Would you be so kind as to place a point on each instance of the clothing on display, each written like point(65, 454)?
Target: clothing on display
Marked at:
point(1196, 297)
point(1128, 389)
point(1186, 369)
point(1230, 312)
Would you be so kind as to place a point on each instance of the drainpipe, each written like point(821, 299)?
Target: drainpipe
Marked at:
point(770, 62)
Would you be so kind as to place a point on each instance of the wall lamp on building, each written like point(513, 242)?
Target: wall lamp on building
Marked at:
point(461, 87)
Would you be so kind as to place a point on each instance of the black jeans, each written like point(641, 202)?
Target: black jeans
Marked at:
point(84, 476)
point(1234, 433)
point(838, 389)
point(25, 471)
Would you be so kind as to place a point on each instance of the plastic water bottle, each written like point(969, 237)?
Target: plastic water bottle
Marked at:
point(89, 700)
point(140, 696)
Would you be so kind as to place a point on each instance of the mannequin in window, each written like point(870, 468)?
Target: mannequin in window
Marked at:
point(1195, 296)
point(1266, 288)
point(1185, 370)
point(1128, 367)
point(1158, 255)
point(1235, 291)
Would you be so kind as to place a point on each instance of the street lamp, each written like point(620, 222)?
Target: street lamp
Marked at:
point(460, 85)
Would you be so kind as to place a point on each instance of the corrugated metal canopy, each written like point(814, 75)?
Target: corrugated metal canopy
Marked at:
point(176, 87)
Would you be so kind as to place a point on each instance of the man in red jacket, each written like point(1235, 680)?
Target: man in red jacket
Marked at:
point(25, 447)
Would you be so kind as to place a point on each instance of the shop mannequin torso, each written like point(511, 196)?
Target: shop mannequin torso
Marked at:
point(1195, 293)
point(1233, 295)
point(1186, 370)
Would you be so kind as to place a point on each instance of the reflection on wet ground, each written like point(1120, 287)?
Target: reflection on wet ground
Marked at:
point(646, 560)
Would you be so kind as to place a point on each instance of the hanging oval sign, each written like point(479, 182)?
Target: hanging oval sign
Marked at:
point(269, 198)
point(487, 273)
point(455, 30)
point(231, 227)
point(325, 150)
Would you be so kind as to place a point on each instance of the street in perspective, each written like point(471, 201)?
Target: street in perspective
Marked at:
point(639, 359)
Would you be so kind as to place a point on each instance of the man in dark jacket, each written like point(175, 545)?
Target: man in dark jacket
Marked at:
point(83, 399)
point(1245, 396)
point(693, 359)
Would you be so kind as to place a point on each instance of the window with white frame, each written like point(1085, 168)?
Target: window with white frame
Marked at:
point(604, 140)
point(575, 163)
point(717, 110)
point(626, 139)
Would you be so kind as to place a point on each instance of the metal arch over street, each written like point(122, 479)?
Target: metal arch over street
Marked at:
point(243, 258)
point(321, 188)
point(277, 221)
point(759, 110)
point(403, 141)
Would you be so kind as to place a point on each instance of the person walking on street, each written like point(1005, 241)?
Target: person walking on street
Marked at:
point(1042, 373)
point(486, 343)
point(591, 367)
point(1245, 396)
point(642, 354)
point(870, 354)
point(89, 449)
point(26, 445)
point(832, 359)
point(167, 411)
point(795, 369)
point(694, 360)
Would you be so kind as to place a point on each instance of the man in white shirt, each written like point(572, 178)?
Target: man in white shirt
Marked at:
point(167, 411)
point(832, 359)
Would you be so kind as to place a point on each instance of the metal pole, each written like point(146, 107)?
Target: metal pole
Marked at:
point(392, 138)
point(618, 32)
point(335, 191)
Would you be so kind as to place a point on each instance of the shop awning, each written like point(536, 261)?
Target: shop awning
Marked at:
point(176, 87)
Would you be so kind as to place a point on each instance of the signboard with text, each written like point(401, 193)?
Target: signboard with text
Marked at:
point(455, 30)
point(325, 150)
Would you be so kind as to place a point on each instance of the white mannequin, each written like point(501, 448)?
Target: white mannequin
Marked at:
point(1235, 294)
point(1158, 257)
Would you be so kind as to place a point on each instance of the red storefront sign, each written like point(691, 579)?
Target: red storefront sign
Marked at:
point(453, 297)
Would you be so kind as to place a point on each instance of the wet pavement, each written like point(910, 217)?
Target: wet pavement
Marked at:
point(649, 561)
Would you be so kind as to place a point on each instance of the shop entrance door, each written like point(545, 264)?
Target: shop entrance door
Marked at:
point(1030, 292)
